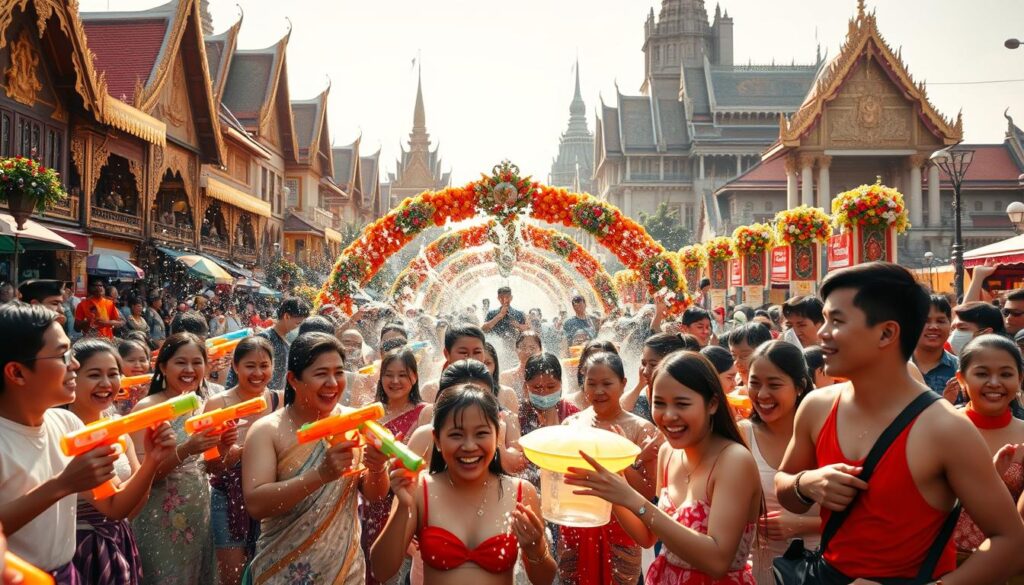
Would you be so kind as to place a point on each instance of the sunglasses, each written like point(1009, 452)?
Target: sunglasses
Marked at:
point(1013, 312)
point(65, 357)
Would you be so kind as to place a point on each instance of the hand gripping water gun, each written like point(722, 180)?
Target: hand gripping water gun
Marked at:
point(219, 350)
point(29, 574)
point(129, 382)
point(416, 348)
point(335, 427)
point(218, 420)
point(109, 431)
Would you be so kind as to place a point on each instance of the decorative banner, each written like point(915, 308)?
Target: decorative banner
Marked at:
point(840, 251)
point(874, 243)
point(804, 262)
point(753, 295)
point(735, 273)
point(802, 287)
point(717, 298)
point(719, 274)
point(780, 265)
point(692, 278)
point(754, 270)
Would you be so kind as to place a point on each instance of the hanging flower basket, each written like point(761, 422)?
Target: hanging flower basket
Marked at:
point(802, 225)
point(26, 185)
point(871, 206)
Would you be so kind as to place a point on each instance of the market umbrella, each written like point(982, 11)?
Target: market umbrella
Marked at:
point(267, 292)
point(206, 269)
point(112, 267)
point(247, 283)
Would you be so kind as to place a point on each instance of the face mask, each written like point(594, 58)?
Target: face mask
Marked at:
point(958, 339)
point(545, 402)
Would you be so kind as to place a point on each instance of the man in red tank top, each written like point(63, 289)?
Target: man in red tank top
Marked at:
point(874, 316)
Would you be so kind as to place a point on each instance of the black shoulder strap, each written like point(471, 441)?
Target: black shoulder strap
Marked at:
point(916, 407)
point(935, 552)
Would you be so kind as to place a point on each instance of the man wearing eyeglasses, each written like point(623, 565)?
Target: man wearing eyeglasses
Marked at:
point(1013, 311)
point(38, 483)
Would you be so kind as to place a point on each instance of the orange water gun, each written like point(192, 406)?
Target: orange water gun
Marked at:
point(571, 362)
point(111, 430)
point(129, 382)
point(364, 420)
point(218, 420)
point(223, 348)
point(30, 575)
point(575, 350)
point(740, 403)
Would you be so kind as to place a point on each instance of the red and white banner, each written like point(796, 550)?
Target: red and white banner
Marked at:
point(735, 273)
point(780, 265)
point(840, 251)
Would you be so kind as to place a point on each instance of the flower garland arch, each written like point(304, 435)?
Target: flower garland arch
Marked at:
point(504, 195)
point(544, 281)
point(547, 240)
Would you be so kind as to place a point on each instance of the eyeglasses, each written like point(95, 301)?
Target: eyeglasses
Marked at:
point(1013, 312)
point(65, 357)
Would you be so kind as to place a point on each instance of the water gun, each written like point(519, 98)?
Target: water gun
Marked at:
point(30, 575)
point(740, 403)
point(222, 349)
point(575, 350)
point(336, 427)
point(129, 382)
point(218, 420)
point(239, 335)
point(370, 369)
point(571, 362)
point(109, 431)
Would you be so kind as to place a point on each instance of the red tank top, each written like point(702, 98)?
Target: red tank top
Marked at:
point(891, 526)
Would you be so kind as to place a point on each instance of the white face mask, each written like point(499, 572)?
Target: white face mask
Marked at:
point(958, 339)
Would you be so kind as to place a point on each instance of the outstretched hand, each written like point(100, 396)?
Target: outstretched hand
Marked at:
point(599, 482)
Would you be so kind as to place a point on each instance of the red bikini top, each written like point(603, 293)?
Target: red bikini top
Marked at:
point(443, 551)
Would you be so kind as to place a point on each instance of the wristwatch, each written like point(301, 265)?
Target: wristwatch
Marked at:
point(642, 510)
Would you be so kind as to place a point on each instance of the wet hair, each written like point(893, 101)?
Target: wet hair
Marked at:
point(251, 344)
point(705, 282)
point(753, 334)
point(590, 348)
point(984, 315)
point(167, 351)
point(303, 352)
point(138, 336)
point(126, 346)
point(408, 358)
point(190, 322)
point(294, 306)
point(393, 327)
point(392, 345)
point(529, 335)
point(719, 357)
point(317, 323)
point(941, 303)
point(990, 341)
point(808, 307)
point(451, 405)
point(453, 334)
point(694, 314)
point(666, 343)
point(610, 360)
point(543, 363)
point(464, 371)
point(696, 372)
point(814, 356)
point(1015, 295)
point(790, 359)
point(885, 292)
point(88, 347)
point(504, 290)
point(493, 352)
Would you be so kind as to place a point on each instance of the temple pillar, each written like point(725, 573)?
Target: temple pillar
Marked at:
point(739, 165)
point(702, 167)
point(934, 212)
point(824, 189)
point(792, 196)
point(916, 194)
point(806, 180)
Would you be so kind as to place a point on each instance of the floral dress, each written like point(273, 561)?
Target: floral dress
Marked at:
point(967, 536)
point(173, 529)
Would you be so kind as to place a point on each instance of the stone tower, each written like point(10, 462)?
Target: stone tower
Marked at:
point(573, 167)
point(419, 168)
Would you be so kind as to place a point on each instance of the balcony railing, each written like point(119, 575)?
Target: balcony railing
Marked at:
point(66, 209)
point(244, 253)
point(322, 217)
point(173, 233)
point(219, 246)
point(115, 221)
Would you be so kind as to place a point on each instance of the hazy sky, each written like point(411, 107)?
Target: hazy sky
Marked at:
point(497, 76)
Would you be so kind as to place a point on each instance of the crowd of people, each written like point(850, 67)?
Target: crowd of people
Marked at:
point(874, 420)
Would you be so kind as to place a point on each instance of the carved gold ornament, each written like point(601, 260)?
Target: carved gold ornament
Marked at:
point(23, 85)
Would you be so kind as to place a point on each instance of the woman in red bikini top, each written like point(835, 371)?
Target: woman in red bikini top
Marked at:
point(471, 521)
point(991, 371)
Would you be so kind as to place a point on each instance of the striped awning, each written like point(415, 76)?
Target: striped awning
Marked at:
point(332, 235)
point(133, 121)
point(232, 196)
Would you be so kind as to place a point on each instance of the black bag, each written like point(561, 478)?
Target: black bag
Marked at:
point(799, 566)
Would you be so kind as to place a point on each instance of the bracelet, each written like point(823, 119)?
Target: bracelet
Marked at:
point(796, 490)
point(176, 456)
point(543, 556)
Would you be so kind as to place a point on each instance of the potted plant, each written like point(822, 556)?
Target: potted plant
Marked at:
point(27, 185)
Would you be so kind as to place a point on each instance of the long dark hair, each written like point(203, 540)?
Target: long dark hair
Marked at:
point(249, 345)
point(303, 352)
point(453, 402)
point(988, 341)
point(87, 347)
point(463, 371)
point(610, 360)
point(493, 352)
point(666, 343)
point(543, 363)
point(170, 347)
point(696, 372)
point(408, 359)
point(790, 359)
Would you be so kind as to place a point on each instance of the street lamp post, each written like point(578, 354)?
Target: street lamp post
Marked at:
point(954, 162)
point(1015, 211)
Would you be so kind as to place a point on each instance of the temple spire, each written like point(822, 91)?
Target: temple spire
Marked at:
point(578, 107)
point(419, 115)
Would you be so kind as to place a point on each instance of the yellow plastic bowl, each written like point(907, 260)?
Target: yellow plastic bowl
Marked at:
point(557, 448)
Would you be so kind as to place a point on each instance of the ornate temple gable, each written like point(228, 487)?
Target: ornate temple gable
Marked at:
point(175, 108)
point(219, 51)
point(865, 44)
point(68, 41)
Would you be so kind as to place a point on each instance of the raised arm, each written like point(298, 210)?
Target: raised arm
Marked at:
point(160, 445)
point(388, 551)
